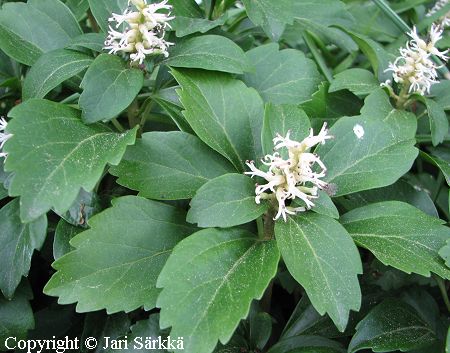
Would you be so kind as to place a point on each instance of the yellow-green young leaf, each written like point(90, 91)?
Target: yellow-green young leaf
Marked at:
point(358, 81)
point(28, 30)
point(392, 325)
point(370, 150)
point(226, 201)
point(52, 155)
point(209, 52)
point(282, 77)
point(52, 69)
point(223, 112)
point(272, 16)
point(321, 256)
point(116, 262)
point(19, 240)
point(102, 10)
point(209, 283)
point(109, 86)
point(400, 235)
point(279, 119)
point(16, 316)
point(169, 165)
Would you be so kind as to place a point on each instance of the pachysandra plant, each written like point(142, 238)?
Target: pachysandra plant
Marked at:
point(224, 176)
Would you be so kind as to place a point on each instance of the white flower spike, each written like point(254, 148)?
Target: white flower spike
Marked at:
point(294, 177)
point(3, 136)
point(414, 68)
point(144, 31)
point(444, 20)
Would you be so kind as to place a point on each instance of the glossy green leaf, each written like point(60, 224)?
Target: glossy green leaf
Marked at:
point(400, 235)
point(186, 8)
point(271, 16)
point(408, 192)
point(78, 8)
point(64, 232)
point(371, 150)
point(30, 29)
point(52, 69)
point(391, 326)
point(260, 330)
point(225, 201)
point(16, 317)
point(188, 25)
point(209, 52)
point(438, 120)
point(107, 266)
point(102, 10)
point(92, 41)
point(441, 93)
point(358, 81)
point(279, 119)
point(314, 247)
point(19, 240)
point(223, 112)
point(109, 87)
point(226, 270)
point(169, 165)
point(444, 252)
point(282, 77)
point(53, 154)
point(325, 206)
point(139, 331)
point(306, 344)
point(439, 162)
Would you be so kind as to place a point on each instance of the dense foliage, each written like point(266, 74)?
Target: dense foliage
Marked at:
point(134, 134)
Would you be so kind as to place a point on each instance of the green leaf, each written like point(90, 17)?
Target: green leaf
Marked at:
point(279, 119)
point(325, 206)
point(64, 232)
point(314, 247)
point(31, 29)
point(391, 326)
point(306, 344)
point(223, 112)
point(358, 81)
point(107, 266)
point(378, 154)
point(329, 107)
point(447, 346)
point(109, 87)
point(169, 165)
point(444, 252)
point(378, 57)
point(53, 154)
point(19, 240)
point(442, 164)
point(400, 235)
point(209, 52)
point(260, 330)
point(102, 10)
point(401, 190)
point(92, 41)
point(225, 201)
point(186, 8)
point(438, 120)
point(282, 77)
point(139, 332)
point(52, 69)
point(271, 16)
point(16, 317)
point(226, 270)
point(188, 25)
point(84, 207)
point(441, 93)
point(78, 8)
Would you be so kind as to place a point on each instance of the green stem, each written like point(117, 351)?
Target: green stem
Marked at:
point(117, 125)
point(427, 139)
point(260, 226)
point(319, 59)
point(211, 9)
point(441, 284)
point(403, 26)
point(72, 98)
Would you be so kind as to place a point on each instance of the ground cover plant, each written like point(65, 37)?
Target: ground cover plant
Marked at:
point(224, 176)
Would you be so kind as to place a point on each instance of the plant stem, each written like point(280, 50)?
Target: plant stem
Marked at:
point(117, 125)
point(211, 9)
point(72, 98)
point(441, 284)
point(403, 26)
point(260, 226)
point(427, 139)
point(319, 59)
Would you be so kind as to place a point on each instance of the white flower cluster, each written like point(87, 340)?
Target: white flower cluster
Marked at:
point(3, 136)
point(293, 177)
point(143, 33)
point(444, 20)
point(414, 68)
